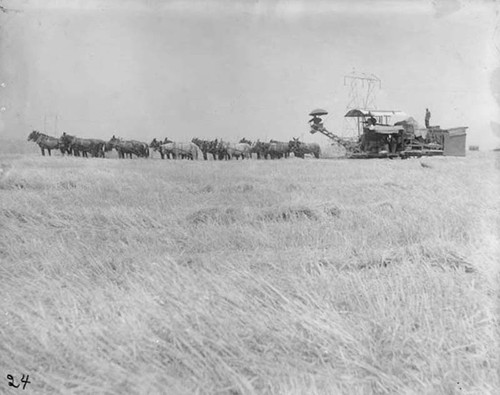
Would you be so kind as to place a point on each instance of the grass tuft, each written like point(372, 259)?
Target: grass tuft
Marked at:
point(216, 215)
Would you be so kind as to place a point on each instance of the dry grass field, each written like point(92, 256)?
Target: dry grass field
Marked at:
point(255, 277)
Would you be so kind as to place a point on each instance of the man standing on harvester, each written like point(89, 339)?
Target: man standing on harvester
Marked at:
point(427, 118)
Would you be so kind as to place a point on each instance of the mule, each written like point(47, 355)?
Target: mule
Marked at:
point(222, 151)
point(261, 148)
point(278, 149)
point(180, 150)
point(45, 142)
point(244, 140)
point(206, 147)
point(127, 148)
point(156, 146)
point(238, 150)
point(300, 148)
point(79, 146)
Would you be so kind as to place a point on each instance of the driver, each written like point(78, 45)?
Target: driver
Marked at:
point(316, 123)
point(371, 122)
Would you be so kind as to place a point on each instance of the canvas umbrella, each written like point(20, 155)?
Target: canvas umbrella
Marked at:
point(318, 112)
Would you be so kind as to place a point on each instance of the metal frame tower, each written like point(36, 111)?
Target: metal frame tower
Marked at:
point(362, 94)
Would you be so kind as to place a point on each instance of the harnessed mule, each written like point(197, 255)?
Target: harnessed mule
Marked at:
point(238, 150)
point(83, 147)
point(127, 148)
point(299, 148)
point(45, 142)
point(180, 150)
point(261, 149)
point(278, 149)
point(206, 147)
point(221, 149)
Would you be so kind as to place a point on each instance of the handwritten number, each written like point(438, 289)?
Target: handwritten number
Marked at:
point(11, 384)
point(25, 381)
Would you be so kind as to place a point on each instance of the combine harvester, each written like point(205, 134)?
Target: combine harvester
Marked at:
point(404, 139)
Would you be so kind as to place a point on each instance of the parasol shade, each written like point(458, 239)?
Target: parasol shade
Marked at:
point(318, 111)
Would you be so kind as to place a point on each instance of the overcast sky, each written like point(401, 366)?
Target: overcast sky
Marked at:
point(232, 69)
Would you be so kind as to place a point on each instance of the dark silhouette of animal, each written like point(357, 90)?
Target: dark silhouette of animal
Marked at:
point(222, 152)
point(260, 148)
point(278, 149)
point(300, 149)
point(206, 147)
point(45, 142)
point(156, 146)
point(127, 148)
point(79, 146)
point(244, 140)
point(140, 147)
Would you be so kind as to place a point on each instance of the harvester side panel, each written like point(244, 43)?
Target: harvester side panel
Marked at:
point(454, 142)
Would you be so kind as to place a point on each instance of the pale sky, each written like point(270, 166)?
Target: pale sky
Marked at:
point(232, 69)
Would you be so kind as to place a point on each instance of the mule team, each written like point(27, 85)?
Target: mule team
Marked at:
point(195, 149)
